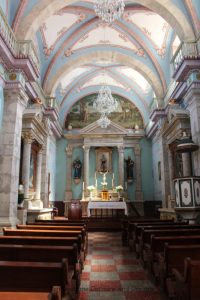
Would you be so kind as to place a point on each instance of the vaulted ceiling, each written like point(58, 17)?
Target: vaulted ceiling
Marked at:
point(78, 52)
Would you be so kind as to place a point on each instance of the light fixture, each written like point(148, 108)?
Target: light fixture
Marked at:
point(109, 10)
point(105, 103)
point(103, 122)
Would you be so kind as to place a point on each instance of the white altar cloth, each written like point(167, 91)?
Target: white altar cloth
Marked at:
point(106, 205)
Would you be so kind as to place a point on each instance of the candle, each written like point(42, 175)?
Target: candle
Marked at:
point(113, 176)
point(95, 176)
point(112, 183)
point(96, 183)
point(83, 185)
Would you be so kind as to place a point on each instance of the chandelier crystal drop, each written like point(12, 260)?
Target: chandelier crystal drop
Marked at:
point(103, 121)
point(109, 10)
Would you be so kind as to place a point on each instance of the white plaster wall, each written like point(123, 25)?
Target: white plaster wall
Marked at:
point(156, 157)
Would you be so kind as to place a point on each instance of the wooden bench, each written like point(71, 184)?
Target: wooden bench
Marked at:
point(137, 230)
point(55, 294)
point(44, 253)
point(129, 224)
point(145, 238)
point(33, 276)
point(156, 249)
point(187, 285)
point(51, 233)
point(174, 256)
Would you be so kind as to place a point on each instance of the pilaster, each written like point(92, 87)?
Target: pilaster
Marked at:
point(86, 166)
point(38, 175)
point(69, 151)
point(10, 141)
point(121, 165)
point(27, 138)
point(138, 191)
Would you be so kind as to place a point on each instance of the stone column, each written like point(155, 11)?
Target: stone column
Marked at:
point(26, 163)
point(138, 190)
point(44, 179)
point(121, 165)
point(69, 151)
point(10, 144)
point(171, 173)
point(186, 164)
point(86, 166)
point(38, 175)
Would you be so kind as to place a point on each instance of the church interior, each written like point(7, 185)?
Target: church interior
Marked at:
point(99, 149)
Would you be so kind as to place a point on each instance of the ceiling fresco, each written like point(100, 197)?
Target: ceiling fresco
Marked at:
point(74, 47)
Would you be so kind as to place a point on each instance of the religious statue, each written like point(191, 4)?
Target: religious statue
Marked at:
point(77, 168)
point(103, 163)
point(129, 168)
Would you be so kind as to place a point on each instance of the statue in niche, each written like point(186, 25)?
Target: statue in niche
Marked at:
point(77, 165)
point(103, 163)
point(129, 168)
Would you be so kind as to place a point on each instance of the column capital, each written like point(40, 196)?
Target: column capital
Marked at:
point(120, 148)
point(69, 150)
point(86, 148)
point(15, 91)
point(27, 137)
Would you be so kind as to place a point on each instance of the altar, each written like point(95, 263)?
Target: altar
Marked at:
point(114, 205)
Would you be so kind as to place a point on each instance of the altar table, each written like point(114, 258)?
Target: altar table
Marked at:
point(107, 205)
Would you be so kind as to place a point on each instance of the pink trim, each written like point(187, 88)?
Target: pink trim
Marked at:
point(155, 63)
point(48, 51)
point(193, 14)
point(18, 15)
point(56, 55)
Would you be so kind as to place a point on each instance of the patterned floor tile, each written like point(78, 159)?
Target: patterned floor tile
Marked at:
point(104, 276)
point(113, 272)
point(102, 268)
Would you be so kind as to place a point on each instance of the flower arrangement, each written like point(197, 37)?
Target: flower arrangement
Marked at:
point(119, 188)
point(104, 183)
point(91, 187)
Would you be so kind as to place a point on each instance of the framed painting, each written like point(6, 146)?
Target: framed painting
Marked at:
point(104, 160)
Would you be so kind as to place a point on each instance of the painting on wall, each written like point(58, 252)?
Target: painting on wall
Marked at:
point(82, 113)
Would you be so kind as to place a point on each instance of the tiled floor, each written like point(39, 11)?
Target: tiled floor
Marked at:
point(112, 272)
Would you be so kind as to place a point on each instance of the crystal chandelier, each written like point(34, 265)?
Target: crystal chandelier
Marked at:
point(109, 10)
point(105, 103)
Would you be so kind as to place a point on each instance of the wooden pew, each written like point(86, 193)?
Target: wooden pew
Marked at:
point(174, 256)
point(145, 239)
point(55, 294)
point(33, 276)
point(51, 233)
point(41, 253)
point(138, 227)
point(128, 225)
point(157, 247)
point(187, 285)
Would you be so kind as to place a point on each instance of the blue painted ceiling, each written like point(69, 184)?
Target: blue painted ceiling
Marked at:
point(78, 52)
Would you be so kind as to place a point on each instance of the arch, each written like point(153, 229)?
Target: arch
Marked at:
point(169, 11)
point(111, 56)
point(118, 91)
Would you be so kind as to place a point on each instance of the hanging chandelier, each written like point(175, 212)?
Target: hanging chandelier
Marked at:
point(105, 103)
point(109, 10)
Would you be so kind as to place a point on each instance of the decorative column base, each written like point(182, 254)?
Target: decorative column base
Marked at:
point(8, 222)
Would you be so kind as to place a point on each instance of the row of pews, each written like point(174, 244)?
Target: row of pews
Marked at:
point(170, 251)
point(43, 260)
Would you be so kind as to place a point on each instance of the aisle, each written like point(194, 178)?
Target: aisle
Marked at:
point(112, 272)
